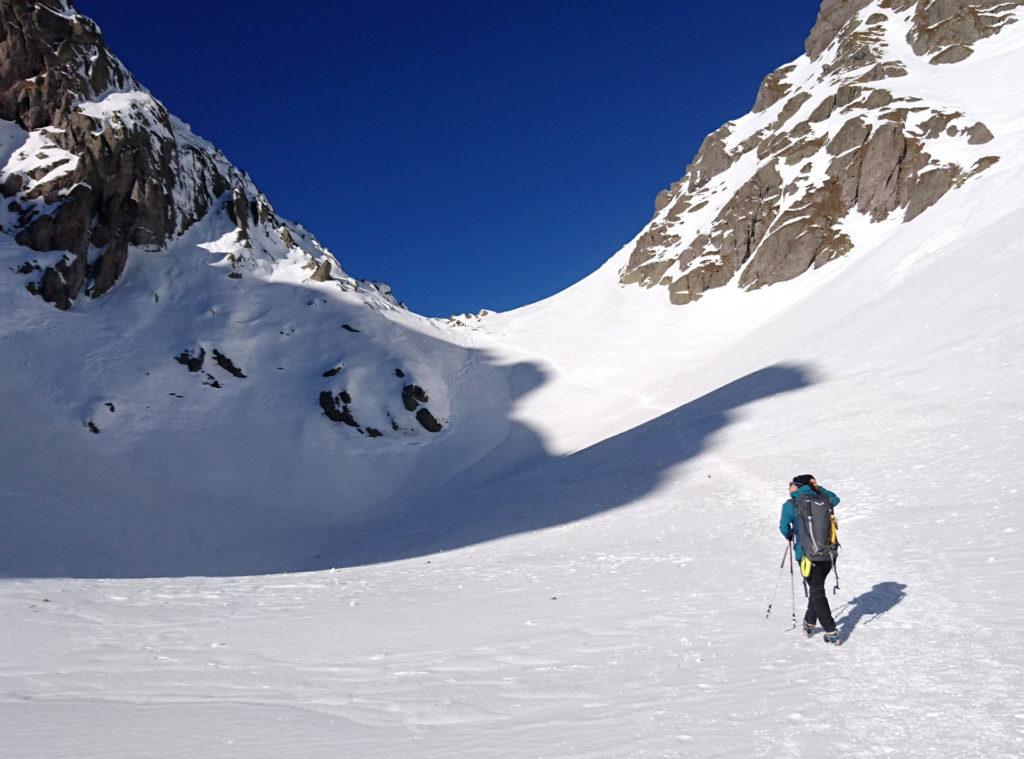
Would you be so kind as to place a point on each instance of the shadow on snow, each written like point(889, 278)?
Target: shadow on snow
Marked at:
point(872, 604)
point(160, 506)
point(558, 490)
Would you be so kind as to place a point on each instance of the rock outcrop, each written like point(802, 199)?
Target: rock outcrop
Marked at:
point(105, 168)
point(766, 196)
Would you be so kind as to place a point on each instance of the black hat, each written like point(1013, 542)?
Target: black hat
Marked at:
point(802, 479)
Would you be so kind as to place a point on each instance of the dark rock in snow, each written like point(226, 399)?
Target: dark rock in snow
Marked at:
point(427, 420)
point(332, 372)
point(227, 365)
point(349, 327)
point(412, 396)
point(329, 404)
point(194, 362)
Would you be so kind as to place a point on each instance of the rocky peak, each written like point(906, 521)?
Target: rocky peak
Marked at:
point(97, 166)
point(767, 196)
point(52, 58)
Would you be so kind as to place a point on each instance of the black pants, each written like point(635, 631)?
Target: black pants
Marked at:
point(818, 609)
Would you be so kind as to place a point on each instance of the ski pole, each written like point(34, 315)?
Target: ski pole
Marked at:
point(792, 582)
point(777, 582)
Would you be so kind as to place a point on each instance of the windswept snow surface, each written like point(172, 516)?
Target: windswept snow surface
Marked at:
point(608, 490)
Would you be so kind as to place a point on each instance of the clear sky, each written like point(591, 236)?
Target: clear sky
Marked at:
point(471, 154)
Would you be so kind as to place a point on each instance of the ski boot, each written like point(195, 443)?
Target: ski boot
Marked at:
point(808, 630)
point(832, 638)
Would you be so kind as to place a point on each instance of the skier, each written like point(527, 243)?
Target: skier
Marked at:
point(817, 603)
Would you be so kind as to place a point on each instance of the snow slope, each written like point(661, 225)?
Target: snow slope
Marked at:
point(608, 487)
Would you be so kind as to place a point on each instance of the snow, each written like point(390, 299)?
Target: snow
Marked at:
point(580, 563)
point(37, 152)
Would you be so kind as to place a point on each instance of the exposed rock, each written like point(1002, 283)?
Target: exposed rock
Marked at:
point(412, 396)
point(792, 247)
point(374, 432)
point(944, 25)
point(879, 171)
point(12, 185)
point(227, 365)
point(978, 134)
point(399, 373)
point(851, 135)
point(711, 160)
point(116, 170)
point(238, 209)
point(952, 54)
point(194, 362)
point(930, 186)
point(884, 70)
point(329, 404)
point(878, 99)
point(772, 89)
point(980, 165)
point(789, 109)
point(936, 124)
point(832, 16)
point(879, 161)
point(322, 273)
point(427, 420)
point(349, 328)
point(332, 372)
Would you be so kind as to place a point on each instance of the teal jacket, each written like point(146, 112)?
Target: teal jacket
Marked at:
point(787, 522)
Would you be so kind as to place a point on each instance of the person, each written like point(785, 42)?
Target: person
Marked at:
point(818, 609)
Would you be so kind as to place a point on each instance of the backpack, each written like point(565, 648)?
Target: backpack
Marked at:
point(816, 527)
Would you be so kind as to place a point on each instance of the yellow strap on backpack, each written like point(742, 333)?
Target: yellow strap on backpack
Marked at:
point(833, 532)
point(805, 567)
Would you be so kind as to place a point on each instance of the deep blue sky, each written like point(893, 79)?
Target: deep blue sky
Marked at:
point(471, 154)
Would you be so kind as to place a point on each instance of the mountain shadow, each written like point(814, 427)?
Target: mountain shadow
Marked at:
point(158, 505)
point(562, 489)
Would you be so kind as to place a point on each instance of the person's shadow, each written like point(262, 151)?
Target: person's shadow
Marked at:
point(873, 604)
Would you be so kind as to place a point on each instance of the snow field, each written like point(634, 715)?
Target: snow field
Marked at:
point(580, 564)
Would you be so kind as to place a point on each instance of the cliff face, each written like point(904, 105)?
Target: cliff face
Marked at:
point(767, 196)
point(102, 166)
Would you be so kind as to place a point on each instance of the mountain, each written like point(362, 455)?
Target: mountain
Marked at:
point(96, 165)
point(847, 131)
point(205, 551)
point(209, 360)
